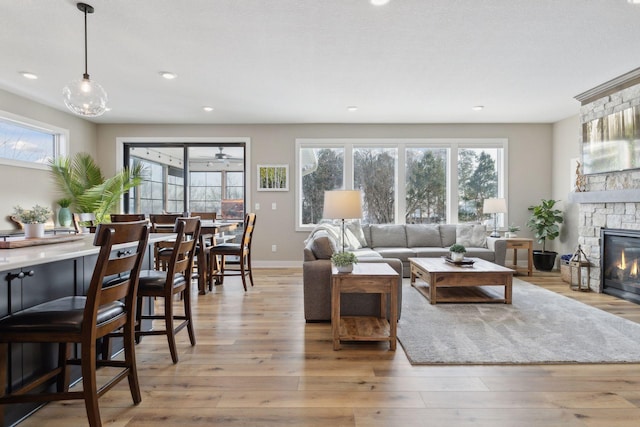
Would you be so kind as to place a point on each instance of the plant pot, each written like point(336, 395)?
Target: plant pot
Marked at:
point(64, 217)
point(345, 268)
point(456, 256)
point(33, 231)
point(544, 261)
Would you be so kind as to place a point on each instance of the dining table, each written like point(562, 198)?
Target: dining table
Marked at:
point(211, 232)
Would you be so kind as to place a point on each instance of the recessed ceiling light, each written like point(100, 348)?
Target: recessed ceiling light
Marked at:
point(352, 108)
point(168, 75)
point(28, 75)
point(379, 2)
point(478, 108)
point(208, 109)
point(634, 1)
point(107, 109)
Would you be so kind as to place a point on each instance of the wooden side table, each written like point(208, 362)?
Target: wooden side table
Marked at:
point(366, 278)
point(516, 243)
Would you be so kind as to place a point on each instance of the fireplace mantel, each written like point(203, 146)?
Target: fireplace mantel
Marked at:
point(609, 196)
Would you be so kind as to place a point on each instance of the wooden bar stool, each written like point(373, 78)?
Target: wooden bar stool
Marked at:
point(241, 250)
point(107, 307)
point(166, 284)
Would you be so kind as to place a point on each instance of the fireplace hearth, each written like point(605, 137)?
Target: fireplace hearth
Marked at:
point(620, 255)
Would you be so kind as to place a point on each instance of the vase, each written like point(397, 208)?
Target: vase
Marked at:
point(33, 231)
point(64, 217)
point(457, 256)
point(345, 268)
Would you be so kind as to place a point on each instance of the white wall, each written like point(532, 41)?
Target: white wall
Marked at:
point(566, 147)
point(25, 186)
point(530, 166)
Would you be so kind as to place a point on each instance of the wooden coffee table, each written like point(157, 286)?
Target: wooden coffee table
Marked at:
point(446, 282)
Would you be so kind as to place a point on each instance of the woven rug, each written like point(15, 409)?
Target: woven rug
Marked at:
point(539, 327)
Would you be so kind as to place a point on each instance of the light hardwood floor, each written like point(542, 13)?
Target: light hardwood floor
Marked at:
point(257, 363)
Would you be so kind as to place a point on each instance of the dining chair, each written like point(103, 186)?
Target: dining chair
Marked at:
point(128, 217)
point(162, 223)
point(205, 242)
point(166, 284)
point(241, 250)
point(109, 305)
point(83, 222)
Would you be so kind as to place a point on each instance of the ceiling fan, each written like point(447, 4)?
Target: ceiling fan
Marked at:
point(221, 156)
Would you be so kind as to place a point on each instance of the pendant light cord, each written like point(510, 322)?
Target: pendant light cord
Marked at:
point(86, 67)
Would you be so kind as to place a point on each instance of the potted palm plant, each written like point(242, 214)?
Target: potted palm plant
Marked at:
point(81, 181)
point(545, 223)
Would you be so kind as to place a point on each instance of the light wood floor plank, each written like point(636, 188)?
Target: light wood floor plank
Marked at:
point(257, 363)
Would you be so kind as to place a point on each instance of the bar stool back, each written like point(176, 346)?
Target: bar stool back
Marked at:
point(107, 307)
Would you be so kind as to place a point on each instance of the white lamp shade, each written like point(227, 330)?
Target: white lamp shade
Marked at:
point(342, 204)
point(494, 205)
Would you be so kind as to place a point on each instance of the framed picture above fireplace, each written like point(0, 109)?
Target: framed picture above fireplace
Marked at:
point(612, 143)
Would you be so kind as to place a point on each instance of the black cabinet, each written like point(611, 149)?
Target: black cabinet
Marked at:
point(25, 288)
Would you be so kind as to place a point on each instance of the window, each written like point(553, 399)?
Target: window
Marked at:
point(27, 143)
point(443, 181)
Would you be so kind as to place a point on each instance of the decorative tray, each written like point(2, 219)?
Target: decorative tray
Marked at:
point(21, 242)
point(465, 261)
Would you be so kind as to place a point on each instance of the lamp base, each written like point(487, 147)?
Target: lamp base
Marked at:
point(495, 233)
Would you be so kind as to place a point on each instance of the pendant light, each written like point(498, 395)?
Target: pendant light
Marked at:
point(84, 96)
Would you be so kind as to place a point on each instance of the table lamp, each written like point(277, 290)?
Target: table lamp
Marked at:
point(342, 204)
point(494, 206)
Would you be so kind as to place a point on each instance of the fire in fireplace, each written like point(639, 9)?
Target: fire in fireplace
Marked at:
point(620, 255)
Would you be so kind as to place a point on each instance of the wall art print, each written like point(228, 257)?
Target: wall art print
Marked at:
point(612, 143)
point(273, 177)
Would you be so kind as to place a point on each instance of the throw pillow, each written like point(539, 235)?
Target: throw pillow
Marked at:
point(356, 228)
point(471, 236)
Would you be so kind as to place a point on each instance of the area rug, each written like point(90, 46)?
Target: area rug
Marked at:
point(539, 327)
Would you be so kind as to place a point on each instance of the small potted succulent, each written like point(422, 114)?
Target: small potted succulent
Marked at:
point(64, 214)
point(513, 231)
point(344, 261)
point(32, 220)
point(456, 252)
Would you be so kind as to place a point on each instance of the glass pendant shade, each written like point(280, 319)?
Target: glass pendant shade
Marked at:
point(85, 97)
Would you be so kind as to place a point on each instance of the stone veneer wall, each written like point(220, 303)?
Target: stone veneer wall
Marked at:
point(619, 215)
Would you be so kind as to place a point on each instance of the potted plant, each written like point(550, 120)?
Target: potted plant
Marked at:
point(456, 252)
point(513, 231)
point(344, 261)
point(64, 214)
point(545, 222)
point(80, 180)
point(32, 220)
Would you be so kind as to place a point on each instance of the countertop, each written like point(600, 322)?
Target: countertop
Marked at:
point(23, 257)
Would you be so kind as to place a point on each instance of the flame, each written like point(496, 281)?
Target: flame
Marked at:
point(623, 263)
point(634, 269)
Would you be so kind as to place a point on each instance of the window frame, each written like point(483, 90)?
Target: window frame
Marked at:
point(60, 143)
point(451, 144)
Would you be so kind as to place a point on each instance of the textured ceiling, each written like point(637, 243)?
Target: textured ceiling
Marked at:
point(305, 61)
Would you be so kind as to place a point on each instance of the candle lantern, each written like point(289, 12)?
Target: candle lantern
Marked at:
point(580, 269)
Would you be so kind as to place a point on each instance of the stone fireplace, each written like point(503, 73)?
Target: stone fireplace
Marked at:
point(610, 200)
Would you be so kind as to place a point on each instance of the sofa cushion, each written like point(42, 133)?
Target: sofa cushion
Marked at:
point(482, 253)
point(402, 254)
point(471, 235)
point(388, 236)
point(430, 252)
point(448, 234)
point(366, 253)
point(423, 235)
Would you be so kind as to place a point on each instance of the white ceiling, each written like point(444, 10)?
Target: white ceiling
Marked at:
point(305, 61)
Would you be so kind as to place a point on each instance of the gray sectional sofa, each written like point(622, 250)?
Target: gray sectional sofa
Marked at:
point(390, 243)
